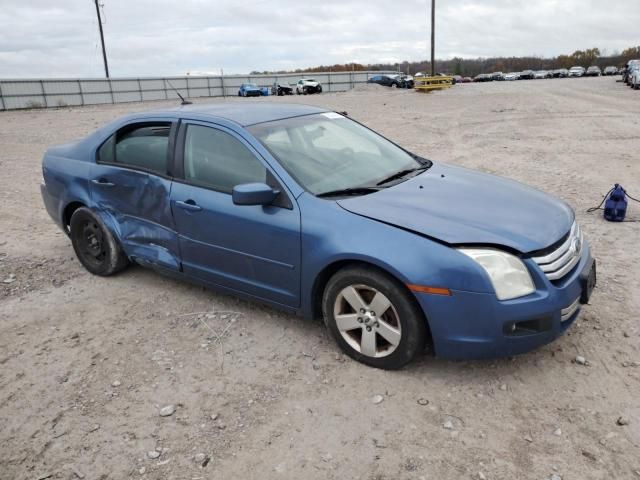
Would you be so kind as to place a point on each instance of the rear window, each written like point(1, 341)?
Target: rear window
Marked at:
point(140, 146)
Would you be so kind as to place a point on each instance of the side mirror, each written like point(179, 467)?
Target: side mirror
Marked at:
point(253, 194)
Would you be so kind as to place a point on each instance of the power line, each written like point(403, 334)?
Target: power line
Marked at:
point(104, 50)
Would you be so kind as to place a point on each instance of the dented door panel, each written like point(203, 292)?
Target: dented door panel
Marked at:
point(137, 206)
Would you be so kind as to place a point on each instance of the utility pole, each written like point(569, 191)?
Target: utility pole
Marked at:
point(104, 51)
point(433, 38)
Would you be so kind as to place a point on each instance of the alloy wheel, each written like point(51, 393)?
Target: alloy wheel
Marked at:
point(367, 321)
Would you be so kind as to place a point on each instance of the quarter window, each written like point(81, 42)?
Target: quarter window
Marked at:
point(218, 160)
point(143, 146)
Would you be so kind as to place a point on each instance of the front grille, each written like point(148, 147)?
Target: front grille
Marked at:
point(563, 259)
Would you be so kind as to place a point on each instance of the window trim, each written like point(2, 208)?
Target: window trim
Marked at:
point(169, 171)
point(283, 199)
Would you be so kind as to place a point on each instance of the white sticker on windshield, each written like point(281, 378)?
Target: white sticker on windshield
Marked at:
point(332, 115)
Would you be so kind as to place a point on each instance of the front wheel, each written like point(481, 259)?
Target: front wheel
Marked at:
point(94, 244)
point(373, 318)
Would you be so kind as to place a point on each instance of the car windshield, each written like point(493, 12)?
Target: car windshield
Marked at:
point(250, 85)
point(309, 80)
point(327, 152)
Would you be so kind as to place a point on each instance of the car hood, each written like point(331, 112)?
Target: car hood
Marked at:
point(459, 206)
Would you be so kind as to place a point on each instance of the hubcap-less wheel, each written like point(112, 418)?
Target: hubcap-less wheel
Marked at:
point(367, 321)
point(96, 247)
point(91, 243)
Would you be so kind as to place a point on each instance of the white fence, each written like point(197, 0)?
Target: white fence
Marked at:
point(46, 93)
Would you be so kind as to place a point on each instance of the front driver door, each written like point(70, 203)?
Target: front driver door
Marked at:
point(251, 249)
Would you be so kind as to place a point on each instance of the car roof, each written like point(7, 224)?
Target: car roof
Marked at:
point(245, 113)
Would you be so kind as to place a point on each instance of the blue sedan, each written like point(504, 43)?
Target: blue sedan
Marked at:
point(313, 213)
point(249, 90)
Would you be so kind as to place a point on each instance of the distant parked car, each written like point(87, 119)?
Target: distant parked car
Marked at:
point(281, 88)
point(541, 74)
point(627, 70)
point(634, 77)
point(497, 76)
point(561, 73)
point(576, 72)
point(408, 81)
point(394, 81)
point(610, 71)
point(467, 79)
point(308, 85)
point(593, 71)
point(483, 77)
point(527, 75)
point(249, 90)
point(512, 76)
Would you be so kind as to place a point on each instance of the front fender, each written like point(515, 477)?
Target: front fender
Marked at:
point(331, 234)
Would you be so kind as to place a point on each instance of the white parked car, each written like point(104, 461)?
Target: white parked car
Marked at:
point(576, 71)
point(512, 76)
point(308, 85)
point(634, 77)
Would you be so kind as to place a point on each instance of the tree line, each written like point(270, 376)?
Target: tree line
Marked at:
point(472, 67)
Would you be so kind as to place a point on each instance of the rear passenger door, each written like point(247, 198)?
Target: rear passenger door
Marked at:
point(252, 249)
point(130, 184)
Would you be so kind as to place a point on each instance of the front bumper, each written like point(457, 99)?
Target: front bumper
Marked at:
point(469, 325)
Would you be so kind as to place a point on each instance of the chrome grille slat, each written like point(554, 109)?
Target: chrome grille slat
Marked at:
point(566, 313)
point(563, 259)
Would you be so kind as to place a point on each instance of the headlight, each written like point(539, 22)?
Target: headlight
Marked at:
point(509, 276)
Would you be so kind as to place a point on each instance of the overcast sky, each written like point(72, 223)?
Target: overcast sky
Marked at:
point(60, 38)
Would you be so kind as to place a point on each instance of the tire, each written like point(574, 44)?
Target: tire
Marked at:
point(393, 337)
point(95, 246)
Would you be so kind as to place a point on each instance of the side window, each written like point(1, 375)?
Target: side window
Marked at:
point(218, 160)
point(143, 146)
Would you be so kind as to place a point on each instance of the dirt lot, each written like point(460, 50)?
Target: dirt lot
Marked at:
point(87, 363)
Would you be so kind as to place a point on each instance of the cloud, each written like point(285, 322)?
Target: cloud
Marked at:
point(144, 37)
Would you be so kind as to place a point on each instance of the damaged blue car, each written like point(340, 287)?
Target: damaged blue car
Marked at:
point(311, 212)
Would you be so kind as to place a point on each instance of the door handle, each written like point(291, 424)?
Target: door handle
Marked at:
point(102, 182)
point(189, 205)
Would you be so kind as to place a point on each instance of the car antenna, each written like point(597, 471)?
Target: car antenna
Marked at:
point(184, 102)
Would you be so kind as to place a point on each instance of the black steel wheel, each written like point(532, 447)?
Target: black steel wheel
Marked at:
point(94, 244)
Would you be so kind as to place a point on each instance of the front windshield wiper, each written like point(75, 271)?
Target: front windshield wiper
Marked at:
point(348, 191)
point(402, 174)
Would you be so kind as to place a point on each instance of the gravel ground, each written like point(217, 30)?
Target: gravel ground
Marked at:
point(87, 364)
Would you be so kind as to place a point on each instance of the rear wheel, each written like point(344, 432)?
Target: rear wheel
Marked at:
point(373, 318)
point(94, 244)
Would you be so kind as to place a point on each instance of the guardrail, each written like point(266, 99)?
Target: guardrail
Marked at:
point(51, 93)
point(428, 84)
